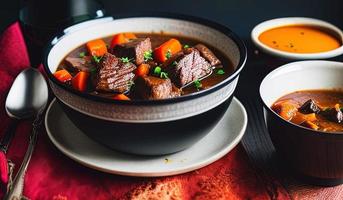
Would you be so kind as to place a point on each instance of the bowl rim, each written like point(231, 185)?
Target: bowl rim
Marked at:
point(219, 27)
point(286, 21)
point(288, 65)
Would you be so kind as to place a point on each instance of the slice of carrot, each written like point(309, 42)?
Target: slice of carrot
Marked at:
point(169, 48)
point(142, 70)
point(122, 38)
point(79, 82)
point(96, 47)
point(121, 97)
point(63, 75)
point(310, 125)
point(118, 39)
point(299, 118)
point(130, 36)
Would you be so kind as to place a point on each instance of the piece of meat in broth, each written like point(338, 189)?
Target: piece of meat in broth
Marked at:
point(114, 75)
point(134, 49)
point(150, 88)
point(75, 64)
point(207, 54)
point(186, 67)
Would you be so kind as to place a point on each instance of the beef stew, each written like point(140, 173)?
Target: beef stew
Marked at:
point(148, 66)
point(315, 109)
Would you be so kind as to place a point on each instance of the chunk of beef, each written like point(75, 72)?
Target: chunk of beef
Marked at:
point(150, 87)
point(208, 54)
point(114, 75)
point(176, 92)
point(333, 114)
point(79, 64)
point(134, 49)
point(309, 107)
point(186, 67)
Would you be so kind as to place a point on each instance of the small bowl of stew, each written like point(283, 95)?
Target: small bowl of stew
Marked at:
point(303, 104)
point(298, 38)
point(148, 85)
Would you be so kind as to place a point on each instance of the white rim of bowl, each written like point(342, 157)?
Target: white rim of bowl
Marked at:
point(274, 23)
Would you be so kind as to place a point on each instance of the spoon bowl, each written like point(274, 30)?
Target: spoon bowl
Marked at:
point(27, 95)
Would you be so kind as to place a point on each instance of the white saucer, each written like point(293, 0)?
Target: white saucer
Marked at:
point(76, 145)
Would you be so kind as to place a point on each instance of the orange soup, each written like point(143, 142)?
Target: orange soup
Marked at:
point(300, 39)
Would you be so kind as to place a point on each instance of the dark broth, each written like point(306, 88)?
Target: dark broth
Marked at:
point(323, 98)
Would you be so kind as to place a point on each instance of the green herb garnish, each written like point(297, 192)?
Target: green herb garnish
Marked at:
point(164, 75)
point(157, 70)
point(197, 84)
point(174, 63)
point(148, 56)
point(92, 70)
point(97, 59)
point(168, 54)
point(220, 72)
point(186, 46)
point(82, 54)
point(125, 59)
point(131, 84)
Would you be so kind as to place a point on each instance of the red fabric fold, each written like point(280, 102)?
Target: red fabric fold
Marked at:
point(51, 175)
point(3, 168)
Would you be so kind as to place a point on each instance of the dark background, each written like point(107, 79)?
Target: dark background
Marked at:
point(239, 15)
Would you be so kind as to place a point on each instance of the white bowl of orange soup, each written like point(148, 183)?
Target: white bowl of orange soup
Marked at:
point(298, 38)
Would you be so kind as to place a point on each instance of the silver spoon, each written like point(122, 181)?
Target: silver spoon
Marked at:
point(27, 98)
point(18, 105)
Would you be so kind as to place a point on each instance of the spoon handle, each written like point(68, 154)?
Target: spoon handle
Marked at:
point(5, 142)
point(8, 136)
point(16, 189)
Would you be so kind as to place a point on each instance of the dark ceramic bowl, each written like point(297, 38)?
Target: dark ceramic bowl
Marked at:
point(314, 155)
point(147, 127)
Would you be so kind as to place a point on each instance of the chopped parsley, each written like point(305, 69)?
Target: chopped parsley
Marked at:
point(220, 72)
point(168, 54)
point(174, 63)
point(131, 84)
point(148, 56)
point(125, 59)
point(197, 84)
point(82, 54)
point(92, 70)
point(186, 46)
point(97, 59)
point(157, 70)
point(164, 75)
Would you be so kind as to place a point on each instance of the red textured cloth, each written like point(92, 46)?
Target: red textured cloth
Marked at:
point(3, 168)
point(51, 175)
